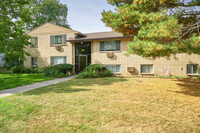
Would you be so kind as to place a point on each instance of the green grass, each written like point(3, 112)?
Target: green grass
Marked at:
point(9, 80)
point(105, 105)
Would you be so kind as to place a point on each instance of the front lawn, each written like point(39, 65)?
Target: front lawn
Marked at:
point(9, 80)
point(105, 105)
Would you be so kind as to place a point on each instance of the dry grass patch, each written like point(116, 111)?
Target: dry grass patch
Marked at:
point(105, 105)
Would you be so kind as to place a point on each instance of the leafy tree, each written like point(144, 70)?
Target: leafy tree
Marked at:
point(51, 11)
point(14, 17)
point(160, 27)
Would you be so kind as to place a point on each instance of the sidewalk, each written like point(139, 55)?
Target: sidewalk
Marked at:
point(16, 90)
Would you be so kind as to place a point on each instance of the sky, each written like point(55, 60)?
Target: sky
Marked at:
point(85, 15)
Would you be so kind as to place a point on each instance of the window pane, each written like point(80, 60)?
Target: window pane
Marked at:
point(33, 41)
point(65, 60)
point(36, 41)
point(64, 39)
point(32, 61)
point(109, 46)
point(149, 69)
point(52, 40)
point(118, 67)
point(113, 68)
point(59, 60)
point(195, 69)
point(189, 69)
point(59, 39)
point(118, 45)
point(36, 61)
point(101, 46)
point(143, 69)
point(52, 61)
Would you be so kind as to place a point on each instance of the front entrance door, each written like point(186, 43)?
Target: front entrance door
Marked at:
point(82, 55)
point(82, 62)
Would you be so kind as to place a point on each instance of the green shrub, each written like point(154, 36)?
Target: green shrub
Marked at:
point(36, 70)
point(57, 70)
point(95, 71)
point(107, 73)
point(21, 69)
point(51, 71)
point(17, 69)
point(98, 67)
point(27, 70)
point(64, 67)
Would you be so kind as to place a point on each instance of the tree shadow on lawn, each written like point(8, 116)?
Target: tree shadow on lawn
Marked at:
point(189, 87)
point(75, 85)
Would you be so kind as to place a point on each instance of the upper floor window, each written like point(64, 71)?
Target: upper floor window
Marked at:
point(147, 69)
point(192, 69)
point(114, 68)
point(55, 60)
point(58, 39)
point(110, 46)
point(34, 41)
point(34, 62)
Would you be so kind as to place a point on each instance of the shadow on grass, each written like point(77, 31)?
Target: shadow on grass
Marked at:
point(189, 87)
point(75, 85)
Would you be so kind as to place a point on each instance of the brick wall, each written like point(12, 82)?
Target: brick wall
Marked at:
point(44, 51)
point(174, 66)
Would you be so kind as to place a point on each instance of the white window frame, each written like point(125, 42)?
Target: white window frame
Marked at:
point(115, 67)
point(35, 62)
point(192, 70)
point(146, 68)
point(53, 63)
point(35, 38)
point(104, 45)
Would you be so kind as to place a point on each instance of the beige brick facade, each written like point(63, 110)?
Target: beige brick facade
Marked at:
point(176, 67)
point(44, 51)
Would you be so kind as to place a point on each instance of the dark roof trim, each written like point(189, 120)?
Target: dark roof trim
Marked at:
point(92, 39)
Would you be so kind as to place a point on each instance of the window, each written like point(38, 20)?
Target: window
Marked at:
point(114, 68)
point(58, 39)
point(58, 60)
point(148, 69)
point(34, 62)
point(192, 69)
point(34, 41)
point(110, 46)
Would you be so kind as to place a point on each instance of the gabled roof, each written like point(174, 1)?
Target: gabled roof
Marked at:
point(44, 28)
point(99, 36)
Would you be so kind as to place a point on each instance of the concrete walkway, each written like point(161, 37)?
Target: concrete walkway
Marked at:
point(16, 90)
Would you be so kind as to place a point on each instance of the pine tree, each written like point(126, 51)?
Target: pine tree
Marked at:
point(160, 27)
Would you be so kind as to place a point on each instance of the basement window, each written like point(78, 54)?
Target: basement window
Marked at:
point(34, 62)
point(114, 68)
point(147, 69)
point(55, 60)
point(192, 69)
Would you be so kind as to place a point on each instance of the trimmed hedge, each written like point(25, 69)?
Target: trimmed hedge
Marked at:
point(64, 67)
point(95, 71)
point(22, 69)
point(58, 70)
